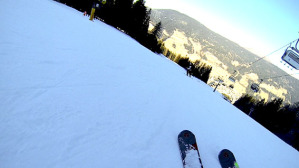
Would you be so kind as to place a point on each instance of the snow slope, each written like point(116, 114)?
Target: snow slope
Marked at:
point(76, 93)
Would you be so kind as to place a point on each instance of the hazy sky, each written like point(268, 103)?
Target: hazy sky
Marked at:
point(261, 26)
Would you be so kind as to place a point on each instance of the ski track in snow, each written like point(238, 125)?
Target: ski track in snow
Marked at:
point(75, 93)
point(192, 159)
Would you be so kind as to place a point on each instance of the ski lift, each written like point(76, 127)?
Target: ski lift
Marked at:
point(255, 87)
point(291, 56)
point(231, 78)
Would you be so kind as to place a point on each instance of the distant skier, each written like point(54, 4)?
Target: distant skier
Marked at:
point(189, 69)
point(96, 5)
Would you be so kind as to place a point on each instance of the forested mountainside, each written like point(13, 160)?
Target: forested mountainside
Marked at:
point(186, 36)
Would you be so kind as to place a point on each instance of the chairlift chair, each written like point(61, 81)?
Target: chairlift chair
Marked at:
point(231, 78)
point(255, 87)
point(291, 56)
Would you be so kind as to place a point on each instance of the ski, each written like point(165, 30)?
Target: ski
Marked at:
point(227, 159)
point(189, 150)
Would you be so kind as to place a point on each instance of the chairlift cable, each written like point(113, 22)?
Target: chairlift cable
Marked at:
point(256, 86)
point(269, 54)
point(279, 76)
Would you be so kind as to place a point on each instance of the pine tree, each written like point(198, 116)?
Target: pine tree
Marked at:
point(157, 30)
point(202, 71)
point(206, 71)
point(141, 18)
point(245, 104)
point(123, 14)
point(266, 113)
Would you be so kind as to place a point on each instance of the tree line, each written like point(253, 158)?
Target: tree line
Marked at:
point(280, 119)
point(131, 17)
point(197, 69)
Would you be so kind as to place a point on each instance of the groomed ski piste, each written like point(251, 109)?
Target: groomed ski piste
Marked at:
point(76, 93)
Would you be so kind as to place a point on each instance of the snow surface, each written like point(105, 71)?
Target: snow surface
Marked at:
point(192, 159)
point(76, 93)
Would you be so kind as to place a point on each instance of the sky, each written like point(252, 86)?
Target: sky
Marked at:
point(261, 26)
